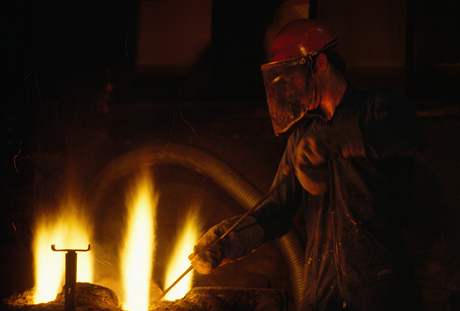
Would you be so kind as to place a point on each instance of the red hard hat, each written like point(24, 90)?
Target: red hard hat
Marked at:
point(300, 38)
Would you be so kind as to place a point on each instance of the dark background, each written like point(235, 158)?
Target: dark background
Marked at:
point(88, 81)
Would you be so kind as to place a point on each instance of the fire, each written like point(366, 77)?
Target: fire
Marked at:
point(138, 249)
point(179, 262)
point(68, 229)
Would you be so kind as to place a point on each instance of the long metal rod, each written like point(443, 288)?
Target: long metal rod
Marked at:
point(190, 268)
point(223, 236)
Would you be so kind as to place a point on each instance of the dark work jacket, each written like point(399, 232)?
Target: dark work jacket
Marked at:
point(354, 251)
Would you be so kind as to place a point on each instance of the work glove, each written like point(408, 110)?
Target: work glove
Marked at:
point(210, 252)
point(310, 157)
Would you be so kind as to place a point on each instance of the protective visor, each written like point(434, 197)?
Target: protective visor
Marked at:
point(288, 90)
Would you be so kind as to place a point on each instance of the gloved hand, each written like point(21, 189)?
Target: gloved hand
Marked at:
point(210, 253)
point(310, 165)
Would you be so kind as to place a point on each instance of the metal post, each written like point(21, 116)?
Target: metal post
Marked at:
point(70, 297)
point(70, 280)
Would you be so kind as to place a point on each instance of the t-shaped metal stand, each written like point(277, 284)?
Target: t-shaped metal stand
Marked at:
point(70, 276)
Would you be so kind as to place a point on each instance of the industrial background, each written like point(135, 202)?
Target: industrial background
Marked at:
point(89, 82)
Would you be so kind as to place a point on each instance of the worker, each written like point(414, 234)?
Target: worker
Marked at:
point(346, 167)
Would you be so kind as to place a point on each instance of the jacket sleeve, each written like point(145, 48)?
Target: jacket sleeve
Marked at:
point(388, 127)
point(276, 213)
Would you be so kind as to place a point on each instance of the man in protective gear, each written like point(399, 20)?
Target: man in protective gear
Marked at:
point(346, 167)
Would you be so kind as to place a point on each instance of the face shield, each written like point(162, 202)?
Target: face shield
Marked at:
point(289, 90)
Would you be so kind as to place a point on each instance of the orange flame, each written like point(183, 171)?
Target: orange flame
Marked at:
point(179, 262)
point(69, 229)
point(138, 249)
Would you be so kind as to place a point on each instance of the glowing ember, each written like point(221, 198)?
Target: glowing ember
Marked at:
point(179, 262)
point(68, 229)
point(138, 249)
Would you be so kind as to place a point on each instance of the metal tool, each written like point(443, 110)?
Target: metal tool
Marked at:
point(223, 236)
point(70, 275)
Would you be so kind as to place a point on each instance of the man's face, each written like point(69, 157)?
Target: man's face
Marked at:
point(296, 88)
point(305, 86)
point(290, 92)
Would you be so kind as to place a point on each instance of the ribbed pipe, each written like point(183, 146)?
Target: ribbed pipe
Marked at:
point(218, 171)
